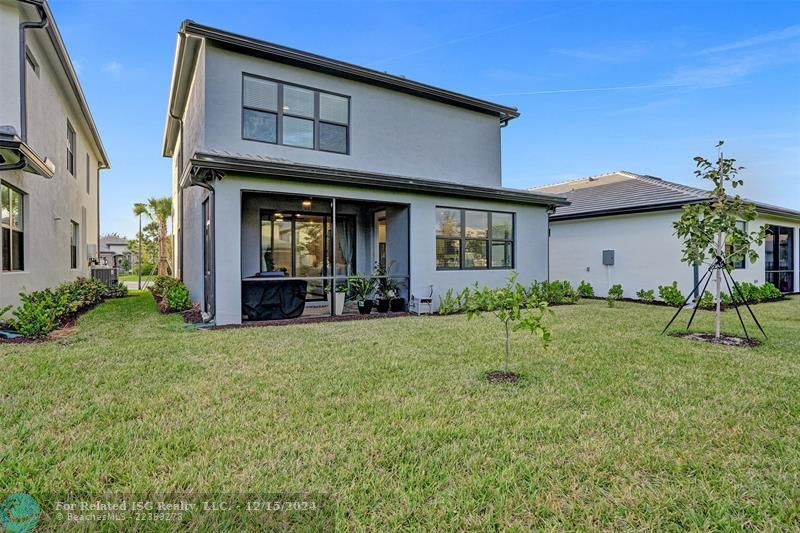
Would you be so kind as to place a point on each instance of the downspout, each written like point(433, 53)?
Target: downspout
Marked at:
point(23, 69)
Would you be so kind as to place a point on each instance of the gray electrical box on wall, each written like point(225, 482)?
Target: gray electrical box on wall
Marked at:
point(608, 257)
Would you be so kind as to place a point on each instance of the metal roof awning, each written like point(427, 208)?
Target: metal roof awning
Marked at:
point(17, 155)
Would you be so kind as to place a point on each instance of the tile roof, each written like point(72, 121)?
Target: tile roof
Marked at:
point(626, 192)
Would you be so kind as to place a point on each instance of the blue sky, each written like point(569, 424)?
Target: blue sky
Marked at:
point(601, 85)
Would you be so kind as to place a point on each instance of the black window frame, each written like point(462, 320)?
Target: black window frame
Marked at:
point(74, 244)
point(71, 149)
point(741, 263)
point(489, 240)
point(280, 114)
point(12, 229)
point(774, 271)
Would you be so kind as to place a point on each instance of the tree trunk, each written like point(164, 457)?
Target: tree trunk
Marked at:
point(163, 269)
point(718, 289)
point(507, 347)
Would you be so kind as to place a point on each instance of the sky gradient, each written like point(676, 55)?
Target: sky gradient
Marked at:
point(601, 85)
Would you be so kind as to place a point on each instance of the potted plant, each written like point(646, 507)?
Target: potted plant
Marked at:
point(362, 289)
point(387, 289)
point(340, 288)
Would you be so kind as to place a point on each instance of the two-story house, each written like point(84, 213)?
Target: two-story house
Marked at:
point(50, 156)
point(292, 171)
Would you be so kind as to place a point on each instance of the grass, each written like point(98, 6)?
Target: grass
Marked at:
point(134, 277)
point(613, 426)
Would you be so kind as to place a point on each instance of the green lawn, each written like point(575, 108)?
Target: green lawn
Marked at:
point(614, 426)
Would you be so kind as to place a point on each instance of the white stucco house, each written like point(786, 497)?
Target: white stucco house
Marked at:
point(50, 156)
point(618, 229)
point(292, 171)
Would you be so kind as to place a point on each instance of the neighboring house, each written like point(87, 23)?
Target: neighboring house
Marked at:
point(271, 145)
point(50, 157)
point(626, 219)
point(114, 252)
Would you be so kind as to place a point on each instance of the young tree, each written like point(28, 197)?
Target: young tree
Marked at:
point(514, 306)
point(709, 230)
point(159, 210)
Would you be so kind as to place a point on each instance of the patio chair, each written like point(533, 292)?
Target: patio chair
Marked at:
point(422, 305)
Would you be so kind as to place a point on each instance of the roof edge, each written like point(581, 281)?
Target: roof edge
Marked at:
point(334, 176)
point(335, 67)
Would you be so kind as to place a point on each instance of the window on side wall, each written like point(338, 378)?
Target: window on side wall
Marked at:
point(737, 262)
point(281, 113)
point(470, 239)
point(11, 224)
point(70, 149)
point(88, 176)
point(74, 240)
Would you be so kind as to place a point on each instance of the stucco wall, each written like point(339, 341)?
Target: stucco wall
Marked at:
point(50, 204)
point(647, 253)
point(531, 239)
point(390, 132)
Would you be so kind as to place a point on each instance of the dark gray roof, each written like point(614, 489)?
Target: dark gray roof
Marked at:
point(292, 56)
point(207, 166)
point(107, 240)
point(627, 192)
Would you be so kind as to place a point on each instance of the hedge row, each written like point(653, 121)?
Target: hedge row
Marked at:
point(41, 312)
point(555, 292)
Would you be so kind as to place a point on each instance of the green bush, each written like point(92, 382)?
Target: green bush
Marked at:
point(770, 292)
point(177, 298)
point(614, 293)
point(162, 285)
point(671, 294)
point(585, 290)
point(553, 292)
point(117, 290)
point(646, 296)
point(37, 314)
point(452, 302)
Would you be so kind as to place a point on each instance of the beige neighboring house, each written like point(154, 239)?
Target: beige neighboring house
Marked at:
point(50, 157)
point(618, 230)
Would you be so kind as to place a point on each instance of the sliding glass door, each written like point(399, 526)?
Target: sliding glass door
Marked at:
point(779, 257)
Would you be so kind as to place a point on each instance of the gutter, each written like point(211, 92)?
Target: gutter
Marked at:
point(44, 21)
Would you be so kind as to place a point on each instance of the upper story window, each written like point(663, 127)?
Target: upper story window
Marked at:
point(70, 149)
point(291, 115)
point(11, 216)
point(31, 59)
point(468, 239)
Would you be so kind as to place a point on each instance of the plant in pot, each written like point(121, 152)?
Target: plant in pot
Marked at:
point(362, 288)
point(341, 288)
point(388, 290)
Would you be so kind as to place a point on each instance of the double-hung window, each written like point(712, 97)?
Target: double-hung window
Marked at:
point(281, 113)
point(11, 222)
point(468, 239)
point(74, 240)
point(70, 149)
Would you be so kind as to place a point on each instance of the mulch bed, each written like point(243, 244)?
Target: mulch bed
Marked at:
point(499, 376)
point(724, 340)
point(311, 320)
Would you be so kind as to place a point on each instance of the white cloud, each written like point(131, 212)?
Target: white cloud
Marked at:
point(757, 40)
point(114, 68)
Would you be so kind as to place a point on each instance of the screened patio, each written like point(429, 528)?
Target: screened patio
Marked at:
point(294, 255)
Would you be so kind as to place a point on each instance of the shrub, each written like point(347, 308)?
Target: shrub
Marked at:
point(646, 296)
point(553, 292)
point(770, 292)
point(671, 295)
point(177, 298)
point(614, 293)
point(585, 290)
point(706, 301)
point(117, 290)
point(452, 302)
point(161, 286)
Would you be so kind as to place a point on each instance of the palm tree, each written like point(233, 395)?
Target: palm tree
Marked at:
point(159, 210)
